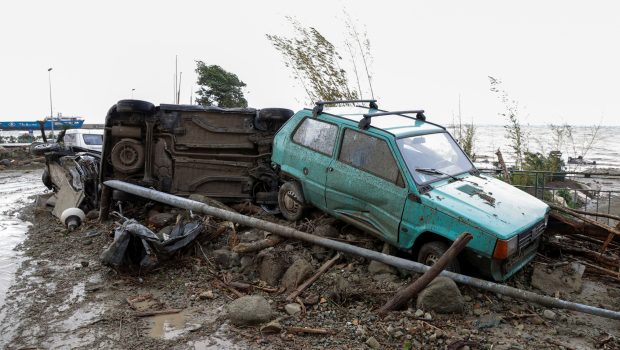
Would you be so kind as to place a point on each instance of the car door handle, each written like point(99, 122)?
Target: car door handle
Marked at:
point(330, 169)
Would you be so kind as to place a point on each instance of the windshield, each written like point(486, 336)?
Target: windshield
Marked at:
point(436, 156)
point(93, 139)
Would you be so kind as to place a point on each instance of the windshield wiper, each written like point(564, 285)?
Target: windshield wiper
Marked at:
point(432, 171)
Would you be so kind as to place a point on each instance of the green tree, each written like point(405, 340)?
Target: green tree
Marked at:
point(219, 87)
point(514, 131)
point(315, 63)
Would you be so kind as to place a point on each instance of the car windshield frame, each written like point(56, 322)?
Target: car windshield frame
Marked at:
point(437, 177)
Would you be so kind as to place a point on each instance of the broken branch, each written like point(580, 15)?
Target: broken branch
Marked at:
point(157, 312)
point(310, 330)
point(403, 295)
point(258, 245)
point(324, 268)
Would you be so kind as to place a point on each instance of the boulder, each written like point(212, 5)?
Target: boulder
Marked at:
point(292, 308)
point(160, 219)
point(270, 269)
point(225, 258)
point(565, 279)
point(296, 274)
point(379, 268)
point(327, 231)
point(442, 296)
point(248, 310)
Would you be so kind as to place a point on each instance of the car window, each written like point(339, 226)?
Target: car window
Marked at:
point(93, 139)
point(317, 135)
point(370, 154)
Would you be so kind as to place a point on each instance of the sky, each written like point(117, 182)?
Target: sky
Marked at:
point(559, 59)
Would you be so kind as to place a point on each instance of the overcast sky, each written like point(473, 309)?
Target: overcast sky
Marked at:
point(559, 59)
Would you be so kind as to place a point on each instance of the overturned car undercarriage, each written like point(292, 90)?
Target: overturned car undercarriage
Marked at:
point(220, 153)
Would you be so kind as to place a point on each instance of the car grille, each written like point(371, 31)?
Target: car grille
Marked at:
point(531, 234)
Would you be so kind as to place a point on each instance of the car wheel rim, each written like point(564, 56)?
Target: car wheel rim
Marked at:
point(291, 202)
point(431, 259)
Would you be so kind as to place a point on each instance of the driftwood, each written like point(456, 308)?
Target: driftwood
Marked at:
point(404, 294)
point(572, 212)
point(502, 165)
point(310, 330)
point(157, 312)
point(258, 245)
point(590, 254)
point(324, 268)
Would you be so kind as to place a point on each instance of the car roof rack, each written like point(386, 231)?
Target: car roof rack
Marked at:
point(318, 107)
point(364, 124)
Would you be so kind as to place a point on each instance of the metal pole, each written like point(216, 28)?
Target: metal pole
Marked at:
point(351, 249)
point(49, 78)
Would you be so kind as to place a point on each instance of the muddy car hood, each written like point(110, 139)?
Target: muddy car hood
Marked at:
point(488, 204)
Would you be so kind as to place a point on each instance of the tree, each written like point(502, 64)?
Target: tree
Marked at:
point(219, 87)
point(315, 63)
point(514, 131)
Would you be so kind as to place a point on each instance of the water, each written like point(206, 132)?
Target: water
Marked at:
point(605, 149)
point(15, 188)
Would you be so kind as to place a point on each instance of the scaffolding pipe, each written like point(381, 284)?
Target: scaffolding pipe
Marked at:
point(351, 249)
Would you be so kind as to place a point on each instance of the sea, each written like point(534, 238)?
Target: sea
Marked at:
point(601, 146)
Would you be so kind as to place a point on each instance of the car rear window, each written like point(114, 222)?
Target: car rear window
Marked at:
point(317, 135)
point(370, 154)
point(93, 139)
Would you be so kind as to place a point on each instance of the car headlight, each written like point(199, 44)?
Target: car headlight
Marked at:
point(505, 248)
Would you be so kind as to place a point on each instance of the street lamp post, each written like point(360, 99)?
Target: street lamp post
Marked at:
point(49, 77)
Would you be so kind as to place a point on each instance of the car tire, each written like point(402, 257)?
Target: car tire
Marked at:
point(134, 106)
point(431, 252)
point(291, 201)
point(41, 149)
point(268, 117)
point(47, 179)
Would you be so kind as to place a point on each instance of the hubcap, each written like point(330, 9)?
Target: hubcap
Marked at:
point(290, 202)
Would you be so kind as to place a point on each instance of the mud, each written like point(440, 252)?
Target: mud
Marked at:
point(62, 297)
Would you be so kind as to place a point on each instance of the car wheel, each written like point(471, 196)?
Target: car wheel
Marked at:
point(431, 252)
point(291, 201)
point(267, 118)
point(41, 149)
point(134, 106)
point(47, 179)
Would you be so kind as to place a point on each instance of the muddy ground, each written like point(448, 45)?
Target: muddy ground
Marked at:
point(63, 297)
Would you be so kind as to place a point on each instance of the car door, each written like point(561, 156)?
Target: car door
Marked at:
point(365, 186)
point(310, 154)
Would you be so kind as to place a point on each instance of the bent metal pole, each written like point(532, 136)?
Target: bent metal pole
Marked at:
point(351, 249)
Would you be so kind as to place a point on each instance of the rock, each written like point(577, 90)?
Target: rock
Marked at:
point(550, 315)
point(565, 279)
point(84, 263)
point(379, 268)
point(311, 299)
point(160, 220)
point(292, 309)
point(327, 231)
point(5, 162)
point(418, 313)
point(93, 214)
point(340, 289)
point(487, 321)
point(271, 327)
point(249, 309)
point(428, 316)
point(373, 343)
point(206, 295)
point(442, 296)
point(225, 258)
point(270, 269)
point(299, 271)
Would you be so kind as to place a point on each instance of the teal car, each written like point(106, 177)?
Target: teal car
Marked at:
point(405, 180)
